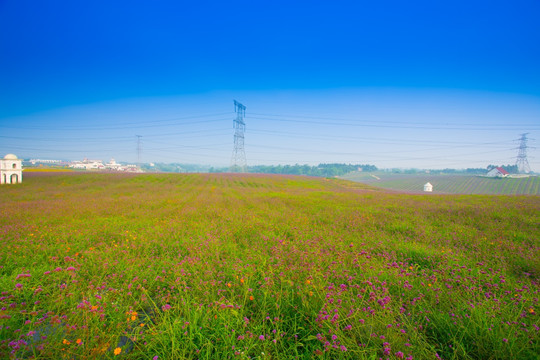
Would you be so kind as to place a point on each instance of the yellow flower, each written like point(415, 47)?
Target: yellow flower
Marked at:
point(117, 351)
point(308, 282)
point(66, 342)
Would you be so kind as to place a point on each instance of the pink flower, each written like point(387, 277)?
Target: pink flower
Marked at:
point(261, 337)
point(18, 285)
point(166, 307)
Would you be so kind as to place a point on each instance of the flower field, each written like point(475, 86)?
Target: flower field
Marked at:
point(224, 266)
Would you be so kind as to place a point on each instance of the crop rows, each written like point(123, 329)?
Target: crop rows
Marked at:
point(454, 184)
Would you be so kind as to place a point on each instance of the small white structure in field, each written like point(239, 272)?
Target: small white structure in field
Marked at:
point(10, 170)
point(498, 172)
point(428, 187)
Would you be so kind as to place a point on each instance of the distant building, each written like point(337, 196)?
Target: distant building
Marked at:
point(113, 165)
point(42, 161)
point(88, 165)
point(428, 187)
point(497, 172)
point(97, 165)
point(10, 170)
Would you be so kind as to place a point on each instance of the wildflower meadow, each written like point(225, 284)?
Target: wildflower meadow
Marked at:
point(228, 266)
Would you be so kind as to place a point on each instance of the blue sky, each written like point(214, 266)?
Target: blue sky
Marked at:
point(395, 84)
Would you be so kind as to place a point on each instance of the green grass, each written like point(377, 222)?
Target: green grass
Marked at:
point(222, 266)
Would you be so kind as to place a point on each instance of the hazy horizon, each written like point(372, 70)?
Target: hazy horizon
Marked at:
point(395, 85)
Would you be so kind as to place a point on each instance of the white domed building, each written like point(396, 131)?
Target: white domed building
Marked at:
point(10, 170)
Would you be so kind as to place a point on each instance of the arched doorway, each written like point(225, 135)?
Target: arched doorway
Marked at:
point(14, 179)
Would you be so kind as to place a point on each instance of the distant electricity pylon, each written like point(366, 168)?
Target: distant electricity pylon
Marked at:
point(139, 149)
point(521, 161)
point(238, 160)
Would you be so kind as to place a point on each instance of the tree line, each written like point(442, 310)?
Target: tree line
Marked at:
point(323, 170)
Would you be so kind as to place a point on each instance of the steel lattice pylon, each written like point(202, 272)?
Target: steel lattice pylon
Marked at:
point(521, 161)
point(238, 160)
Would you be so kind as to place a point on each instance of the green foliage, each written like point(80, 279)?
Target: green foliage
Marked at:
point(228, 266)
point(323, 170)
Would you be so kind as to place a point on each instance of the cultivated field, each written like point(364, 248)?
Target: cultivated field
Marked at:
point(450, 184)
point(169, 266)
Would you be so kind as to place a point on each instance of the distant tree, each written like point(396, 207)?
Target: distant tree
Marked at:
point(511, 169)
point(325, 170)
point(475, 171)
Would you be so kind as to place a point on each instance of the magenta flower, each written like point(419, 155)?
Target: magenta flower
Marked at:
point(261, 337)
point(18, 285)
point(166, 307)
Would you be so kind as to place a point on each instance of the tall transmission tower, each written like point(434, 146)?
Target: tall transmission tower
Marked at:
point(521, 161)
point(139, 149)
point(238, 160)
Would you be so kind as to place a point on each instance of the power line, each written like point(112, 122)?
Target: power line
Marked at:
point(396, 141)
point(390, 124)
point(119, 126)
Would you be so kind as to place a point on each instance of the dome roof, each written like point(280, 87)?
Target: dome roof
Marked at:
point(10, 157)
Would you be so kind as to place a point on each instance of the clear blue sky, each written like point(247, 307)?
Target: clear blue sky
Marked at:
point(395, 84)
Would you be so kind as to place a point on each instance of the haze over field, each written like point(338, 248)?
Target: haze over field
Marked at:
point(391, 84)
